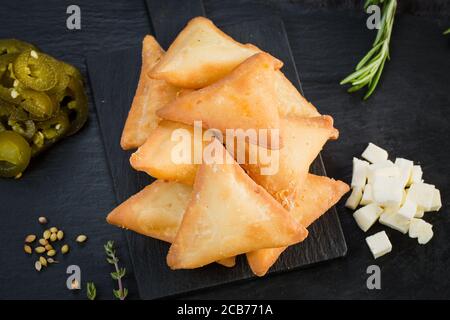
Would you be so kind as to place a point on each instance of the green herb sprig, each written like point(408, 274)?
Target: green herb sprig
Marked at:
point(447, 31)
point(91, 291)
point(369, 69)
point(120, 293)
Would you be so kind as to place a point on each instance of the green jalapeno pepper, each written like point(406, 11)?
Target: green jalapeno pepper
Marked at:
point(77, 107)
point(35, 70)
point(50, 131)
point(13, 45)
point(38, 104)
point(15, 154)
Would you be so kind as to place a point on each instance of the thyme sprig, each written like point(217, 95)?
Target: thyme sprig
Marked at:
point(120, 293)
point(91, 291)
point(368, 71)
point(447, 31)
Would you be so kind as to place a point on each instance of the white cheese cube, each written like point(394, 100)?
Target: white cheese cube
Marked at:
point(374, 154)
point(408, 209)
point(395, 221)
point(421, 230)
point(405, 166)
point(426, 233)
point(379, 244)
point(367, 196)
point(422, 194)
point(354, 198)
point(359, 173)
point(414, 227)
point(374, 167)
point(366, 216)
point(404, 197)
point(436, 204)
point(419, 213)
point(387, 191)
point(416, 175)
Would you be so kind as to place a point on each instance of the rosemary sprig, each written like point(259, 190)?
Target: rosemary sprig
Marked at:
point(447, 31)
point(369, 69)
point(121, 293)
point(91, 291)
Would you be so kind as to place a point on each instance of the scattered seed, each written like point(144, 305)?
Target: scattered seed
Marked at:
point(15, 83)
point(30, 238)
point(38, 265)
point(48, 247)
point(39, 249)
point(53, 237)
point(60, 235)
point(65, 249)
point(51, 252)
point(47, 234)
point(81, 238)
point(53, 229)
point(18, 176)
point(27, 249)
point(43, 261)
point(42, 220)
point(43, 242)
point(51, 260)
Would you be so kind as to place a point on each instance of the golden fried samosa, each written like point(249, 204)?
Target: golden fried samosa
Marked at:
point(291, 102)
point(229, 214)
point(244, 99)
point(200, 55)
point(317, 196)
point(150, 95)
point(156, 211)
point(159, 156)
point(303, 138)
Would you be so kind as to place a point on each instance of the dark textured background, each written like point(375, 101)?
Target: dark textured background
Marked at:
point(408, 115)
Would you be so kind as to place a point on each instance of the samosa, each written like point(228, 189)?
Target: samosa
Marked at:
point(150, 95)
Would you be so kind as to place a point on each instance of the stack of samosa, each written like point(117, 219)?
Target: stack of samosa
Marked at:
point(212, 211)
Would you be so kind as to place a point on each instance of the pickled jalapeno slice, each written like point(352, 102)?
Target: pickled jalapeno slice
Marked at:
point(35, 70)
point(15, 154)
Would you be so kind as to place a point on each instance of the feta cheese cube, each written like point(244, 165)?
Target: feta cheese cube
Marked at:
point(379, 244)
point(422, 194)
point(374, 154)
point(392, 219)
point(419, 213)
point(416, 175)
point(366, 216)
point(367, 196)
point(359, 173)
point(408, 209)
point(426, 234)
point(405, 166)
point(354, 198)
point(374, 167)
point(436, 204)
point(387, 191)
point(421, 230)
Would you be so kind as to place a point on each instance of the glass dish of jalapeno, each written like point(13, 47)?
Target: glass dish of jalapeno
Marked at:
point(42, 100)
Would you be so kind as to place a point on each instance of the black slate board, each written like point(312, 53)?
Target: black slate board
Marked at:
point(121, 70)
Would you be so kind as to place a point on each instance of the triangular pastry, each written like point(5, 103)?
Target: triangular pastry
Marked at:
point(303, 138)
point(150, 95)
point(244, 99)
point(317, 196)
point(158, 155)
point(291, 102)
point(200, 55)
point(229, 214)
point(156, 211)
